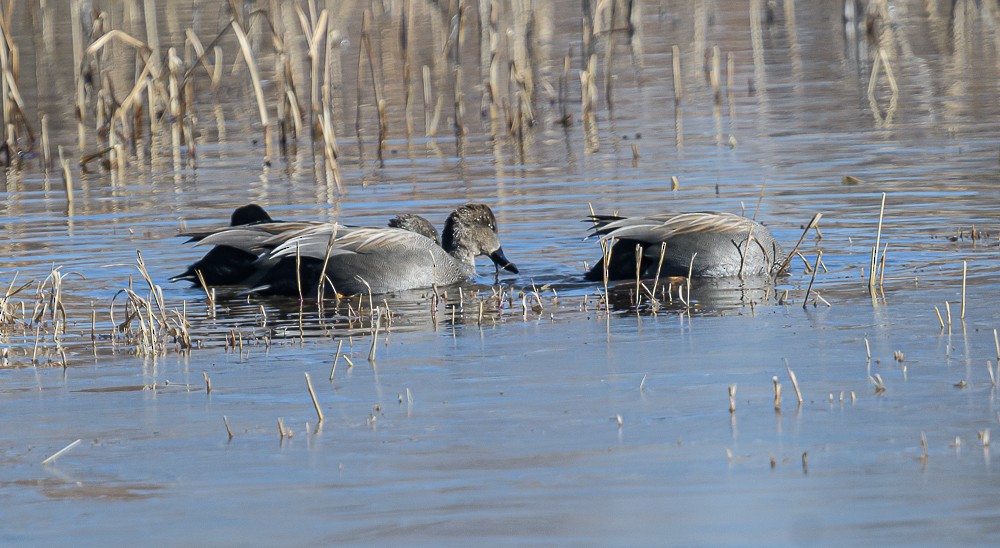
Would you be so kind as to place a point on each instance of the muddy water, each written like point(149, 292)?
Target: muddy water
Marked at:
point(553, 425)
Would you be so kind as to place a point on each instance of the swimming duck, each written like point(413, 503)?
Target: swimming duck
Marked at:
point(290, 260)
point(720, 244)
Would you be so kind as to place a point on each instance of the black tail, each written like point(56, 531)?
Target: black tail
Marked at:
point(225, 265)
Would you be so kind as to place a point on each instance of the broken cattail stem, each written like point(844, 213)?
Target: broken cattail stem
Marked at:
point(336, 358)
point(61, 452)
point(659, 268)
point(805, 301)
point(425, 72)
point(67, 176)
point(312, 394)
point(795, 384)
point(777, 393)
point(996, 343)
point(689, 276)
point(638, 271)
point(208, 382)
point(878, 240)
point(965, 268)
point(46, 148)
point(378, 325)
point(715, 75)
point(732, 398)
point(228, 429)
point(678, 88)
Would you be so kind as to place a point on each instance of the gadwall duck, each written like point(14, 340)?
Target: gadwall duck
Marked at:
point(721, 244)
point(234, 264)
point(358, 260)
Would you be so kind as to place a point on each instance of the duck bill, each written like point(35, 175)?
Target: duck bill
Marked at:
point(501, 261)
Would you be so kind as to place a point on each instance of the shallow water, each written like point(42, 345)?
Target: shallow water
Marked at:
point(559, 424)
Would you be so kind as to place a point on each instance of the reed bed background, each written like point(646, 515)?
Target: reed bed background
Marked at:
point(153, 81)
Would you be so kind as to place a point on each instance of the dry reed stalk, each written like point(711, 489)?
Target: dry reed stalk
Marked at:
point(208, 382)
point(795, 384)
point(378, 325)
point(588, 82)
point(430, 121)
point(732, 398)
point(211, 302)
point(609, 48)
point(406, 17)
point(964, 273)
point(229, 430)
point(152, 29)
point(882, 61)
point(715, 76)
point(315, 32)
point(730, 86)
point(811, 225)
point(638, 271)
point(46, 146)
point(14, 110)
point(777, 393)
point(459, 112)
point(678, 87)
point(312, 394)
point(155, 291)
point(366, 42)
point(257, 88)
point(996, 343)
point(175, 100)
point(659, 269)
point(940, 320)
point(877, 382)
point(749, 239)
point(805, 301)
point(61, 452)
point(565, 117)
point(687, 302)
point(878, 238)
point(336, 358)
point(67, 177)
point(76, 29)
point(200, 57)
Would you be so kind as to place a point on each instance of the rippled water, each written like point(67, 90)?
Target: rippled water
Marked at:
point(559, 424)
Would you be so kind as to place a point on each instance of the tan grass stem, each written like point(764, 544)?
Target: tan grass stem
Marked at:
point(312, 394)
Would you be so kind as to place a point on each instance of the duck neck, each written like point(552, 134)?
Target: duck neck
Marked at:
point(451, 242)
